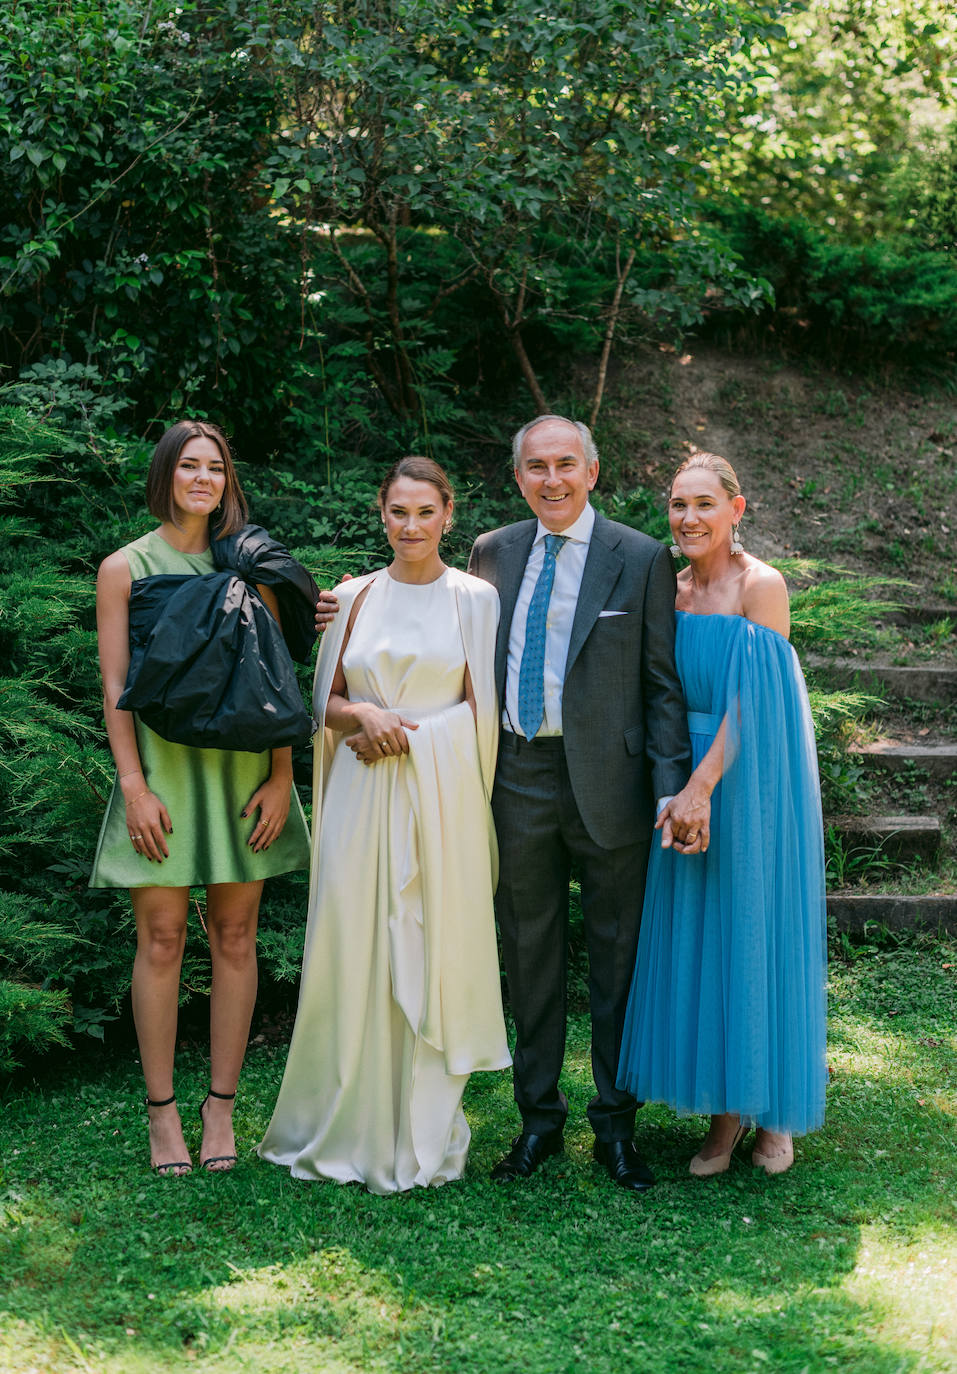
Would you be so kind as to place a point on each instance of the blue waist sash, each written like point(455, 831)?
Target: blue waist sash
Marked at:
point(701, 723)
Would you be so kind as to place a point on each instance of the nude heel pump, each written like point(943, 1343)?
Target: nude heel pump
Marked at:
point(774, 1164)
point(717, 1164)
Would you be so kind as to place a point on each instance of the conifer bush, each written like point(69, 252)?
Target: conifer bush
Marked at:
point(863, 302)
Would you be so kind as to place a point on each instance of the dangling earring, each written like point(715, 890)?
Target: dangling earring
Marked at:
point(736, 545)
point(447, 526)
point(675, 551)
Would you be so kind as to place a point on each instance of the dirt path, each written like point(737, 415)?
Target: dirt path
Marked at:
point(848, 470)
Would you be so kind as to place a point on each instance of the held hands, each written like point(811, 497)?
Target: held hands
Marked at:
point(685, 821)
point(381, 735)
point(148, 824)
point(272, 799)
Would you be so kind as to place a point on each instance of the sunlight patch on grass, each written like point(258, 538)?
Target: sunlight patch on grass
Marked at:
point(355, 1317)
point(910, 1287)
point(31, 1348)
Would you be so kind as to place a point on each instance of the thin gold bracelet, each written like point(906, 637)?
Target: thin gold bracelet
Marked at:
point(144, 793)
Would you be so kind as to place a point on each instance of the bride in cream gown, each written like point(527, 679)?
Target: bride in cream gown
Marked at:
point(400, 998)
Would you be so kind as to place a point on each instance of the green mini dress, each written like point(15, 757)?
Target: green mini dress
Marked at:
point(204, 790)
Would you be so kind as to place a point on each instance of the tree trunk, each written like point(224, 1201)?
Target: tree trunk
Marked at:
point(528, 372)
point(513, 327)
point(613, 314)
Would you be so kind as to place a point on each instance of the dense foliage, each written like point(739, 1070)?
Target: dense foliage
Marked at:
point(849, 301)
point(348, 228)
point(316, 219)
point(851, 101)
point(136, 244)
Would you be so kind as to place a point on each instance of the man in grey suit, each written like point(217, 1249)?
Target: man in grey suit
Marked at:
point(593, 732)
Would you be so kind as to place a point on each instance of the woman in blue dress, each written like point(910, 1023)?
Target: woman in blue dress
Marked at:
point(726, 1015)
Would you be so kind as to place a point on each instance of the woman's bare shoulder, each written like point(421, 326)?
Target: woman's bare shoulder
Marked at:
point(114, 571)
point(765, 596)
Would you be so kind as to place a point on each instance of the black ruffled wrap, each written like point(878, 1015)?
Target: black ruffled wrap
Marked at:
point(209, 666)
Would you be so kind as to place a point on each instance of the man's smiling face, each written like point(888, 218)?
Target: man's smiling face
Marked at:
point(554, 475)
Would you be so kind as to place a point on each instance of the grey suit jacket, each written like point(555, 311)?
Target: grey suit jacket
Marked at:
point(623, 713)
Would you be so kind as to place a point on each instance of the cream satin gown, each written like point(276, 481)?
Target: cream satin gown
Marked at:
point(400, 998)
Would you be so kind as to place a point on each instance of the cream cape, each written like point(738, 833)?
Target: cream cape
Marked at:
point(460, 1018)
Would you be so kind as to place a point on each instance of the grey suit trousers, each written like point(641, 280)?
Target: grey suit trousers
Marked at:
point(542, 843)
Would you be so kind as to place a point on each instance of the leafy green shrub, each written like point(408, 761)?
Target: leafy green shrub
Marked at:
point(136, 245)
point(30, 1018)
point(32, 1015)
point(928, 193)
point(882, 299)
point(639, 508)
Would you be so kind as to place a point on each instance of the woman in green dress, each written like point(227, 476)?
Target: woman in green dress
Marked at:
point(183, 816)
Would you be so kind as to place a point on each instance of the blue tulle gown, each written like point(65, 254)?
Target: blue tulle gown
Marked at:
point(728, 1001)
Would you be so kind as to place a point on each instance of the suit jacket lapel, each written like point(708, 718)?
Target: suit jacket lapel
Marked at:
point(602, 570)
point(508, 580)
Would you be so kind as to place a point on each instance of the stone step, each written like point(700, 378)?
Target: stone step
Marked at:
point(939, 761)
point(930, 614)
point(926, 682)
point(899, 838)
point(854, 913)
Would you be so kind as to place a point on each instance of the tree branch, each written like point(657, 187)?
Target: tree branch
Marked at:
point(613, 314)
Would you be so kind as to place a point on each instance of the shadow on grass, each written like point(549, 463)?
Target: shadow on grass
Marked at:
point(108, 1267)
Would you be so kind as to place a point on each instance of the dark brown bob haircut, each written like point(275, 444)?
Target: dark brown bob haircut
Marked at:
point(232, 511)
point(420, 470)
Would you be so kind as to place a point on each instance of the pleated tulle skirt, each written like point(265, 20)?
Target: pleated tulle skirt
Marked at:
point(728, 1001)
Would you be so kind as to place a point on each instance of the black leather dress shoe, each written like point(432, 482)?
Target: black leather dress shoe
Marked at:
point(624, 1164)
point(528, 1152)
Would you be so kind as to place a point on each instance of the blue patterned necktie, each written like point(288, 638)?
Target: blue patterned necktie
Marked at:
point(531, 673)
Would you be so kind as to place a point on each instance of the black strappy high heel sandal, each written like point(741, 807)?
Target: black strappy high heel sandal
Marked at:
point(228, 1160)
point(186, 1165)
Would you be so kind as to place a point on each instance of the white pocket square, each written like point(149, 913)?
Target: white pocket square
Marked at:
point(601, 613)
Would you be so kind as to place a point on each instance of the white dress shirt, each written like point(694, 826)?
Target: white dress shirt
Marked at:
point(569, 567)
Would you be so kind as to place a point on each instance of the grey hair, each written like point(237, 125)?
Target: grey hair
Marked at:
point(588, 443)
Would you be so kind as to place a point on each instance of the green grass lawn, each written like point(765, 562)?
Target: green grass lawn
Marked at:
point(848, 1262)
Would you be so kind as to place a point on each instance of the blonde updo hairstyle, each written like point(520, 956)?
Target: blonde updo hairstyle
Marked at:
point(712, 462)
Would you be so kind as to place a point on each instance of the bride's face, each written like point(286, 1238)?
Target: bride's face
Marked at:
point(414, 515)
